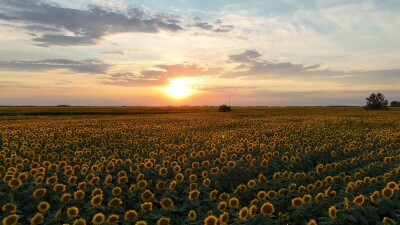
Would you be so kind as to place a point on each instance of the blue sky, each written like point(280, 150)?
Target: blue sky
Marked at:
point(125, 52)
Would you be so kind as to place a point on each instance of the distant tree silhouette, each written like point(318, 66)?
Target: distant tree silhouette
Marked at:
point(224, 108)
point(394, 104)
point(376, 101)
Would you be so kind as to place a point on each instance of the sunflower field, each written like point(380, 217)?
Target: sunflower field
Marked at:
point(249, 166)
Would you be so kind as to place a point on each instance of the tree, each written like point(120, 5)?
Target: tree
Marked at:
point(224, 108)
point(395, 104)
point(376, 101)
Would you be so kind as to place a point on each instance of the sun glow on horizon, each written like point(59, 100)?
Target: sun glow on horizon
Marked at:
point(180, 88)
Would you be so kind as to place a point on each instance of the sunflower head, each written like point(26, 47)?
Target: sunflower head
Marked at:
point(359, 200)
point(11, 219)
point(115, 202)
point(72, 212)
point(387, 193)
point(130, 215)
point(79, 222)
point(167, 203)
point(192, 215)
point(43, 206)
point(147, 206)
point(9, 207)
point(234, 203)
point(332, 212)
point(113, 219)
point(98, 219)
point(65, 198)
point(267, 209)
point(36, 219)
point(96, 201)
point(224, 218)
point(163, 221)
point(210, 220)
point(297, 202)
point(243, 213)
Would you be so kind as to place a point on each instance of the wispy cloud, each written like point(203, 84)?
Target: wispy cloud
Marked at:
point(82, 66)
point(160, 75)
point(56, 25)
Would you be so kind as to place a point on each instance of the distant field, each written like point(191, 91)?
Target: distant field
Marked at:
point(194, 165)
point(132, 110)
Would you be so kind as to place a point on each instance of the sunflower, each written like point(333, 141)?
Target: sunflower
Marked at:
point(51, 180)
point(312, 222)
point(224, 197)
point(79, 194)
point(374, 196)
point(161, 185)
point(387, 193)
point(194, 195)
point(163, 171)
point(292, 187)
point(179, 177)
point(297, 202)
point(59, 188)
point(36, 219)
point(116, 191)
point(130, 215)
point(98, 219)
point(147, 206)
point(166, 203)
point(206, 182)
point(253, 211)
point(79, 222)
point(82, 185)
point(142, 184)
point(11, 219)
point(192, 215)
point(243, 213)
point(15, 183)
point(97, 191)
point(43, 206)
point(213, 194)
point(57, 215)
point(163, 221)
point(65, 198)
point(96, 201)
point(9, 207)
point(262, 178)
point(115, 202)
point(319, 197)
point(332, 212)
point(142, 222)
point(222, 206)
point(251, 183)
point(387, 220)
point(72, 212)
point(234, 203)
point(392, 185)
point(271, 194)
point(359, 200)
point(113, 219)
point(210, 220)
point(307, 198)
point(267, 209)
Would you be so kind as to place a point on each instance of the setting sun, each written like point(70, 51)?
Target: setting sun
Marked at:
point(180, 88)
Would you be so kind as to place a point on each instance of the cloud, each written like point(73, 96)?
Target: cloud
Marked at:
point(254, 67)
point(57, 25)
point(116, 52)
point(85, 27)
point(82, 66)
point(217, 26)
point(160, 75)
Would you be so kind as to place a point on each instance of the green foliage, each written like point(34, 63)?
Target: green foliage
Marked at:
point(394, 104)
point(376, 102)
point(224, 108)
